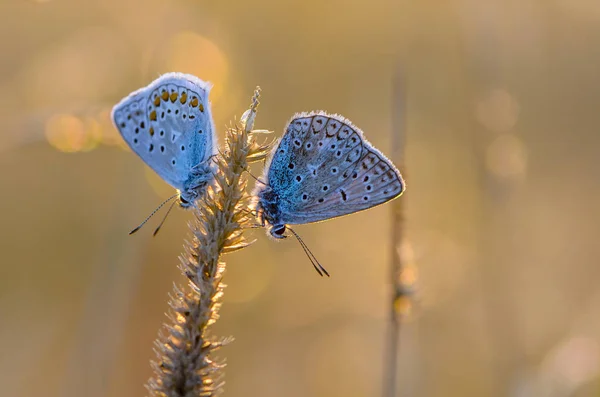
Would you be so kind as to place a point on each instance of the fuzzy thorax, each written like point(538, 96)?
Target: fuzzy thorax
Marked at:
point(195, 186)
point(268, 213)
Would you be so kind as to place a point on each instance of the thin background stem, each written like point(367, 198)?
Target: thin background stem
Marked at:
point(398, 292)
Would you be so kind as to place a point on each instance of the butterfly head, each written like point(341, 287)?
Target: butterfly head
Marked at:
point(268, 213)
point(185, 201)
point(188, 197)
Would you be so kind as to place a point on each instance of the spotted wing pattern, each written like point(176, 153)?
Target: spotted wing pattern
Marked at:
point(169, 125)
point(323, 167)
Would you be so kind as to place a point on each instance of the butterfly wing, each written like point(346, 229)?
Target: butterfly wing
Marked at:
point(323, 167)
point(169, 125)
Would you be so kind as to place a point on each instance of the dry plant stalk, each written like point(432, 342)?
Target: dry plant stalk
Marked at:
point(185, 365)
point(400, 292)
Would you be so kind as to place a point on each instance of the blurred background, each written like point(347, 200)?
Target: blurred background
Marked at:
point(499, 107)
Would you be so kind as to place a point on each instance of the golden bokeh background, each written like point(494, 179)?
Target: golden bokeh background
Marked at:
point(499, 104)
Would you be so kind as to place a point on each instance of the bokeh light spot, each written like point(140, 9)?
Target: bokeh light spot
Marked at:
point(66, 133)
point(93, 134)
point(192, 53)
point(409, 275)
point(571, 363)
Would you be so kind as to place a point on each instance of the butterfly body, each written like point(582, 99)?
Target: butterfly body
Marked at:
point(169, 125)
point(322, 168)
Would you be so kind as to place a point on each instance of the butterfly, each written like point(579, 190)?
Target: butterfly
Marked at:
point(169, 125)
point(322, 168)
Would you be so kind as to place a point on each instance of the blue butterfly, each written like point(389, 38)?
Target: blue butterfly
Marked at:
point(322, 168)
point(169, 125)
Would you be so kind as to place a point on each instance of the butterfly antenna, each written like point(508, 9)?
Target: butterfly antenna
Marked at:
point(255, 178)
point(153, 212)
point(164, 219)
point(313, 260)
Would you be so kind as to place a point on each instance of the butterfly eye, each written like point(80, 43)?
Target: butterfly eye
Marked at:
point(173, 161)
point(135, 140)
point(291, 166)
point(366, 198)
point(151, 148)
point(369, 187)
point(334, 170)
point(279, 231)
point(366, 178)
point(304, 196)
point(299, 178)
point(325, 188)
point(162, 148)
